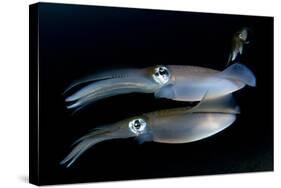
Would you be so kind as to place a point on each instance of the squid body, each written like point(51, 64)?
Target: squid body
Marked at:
point(175, 82)
point(178, 125)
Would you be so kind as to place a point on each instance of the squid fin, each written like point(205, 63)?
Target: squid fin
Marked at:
point(240, 72)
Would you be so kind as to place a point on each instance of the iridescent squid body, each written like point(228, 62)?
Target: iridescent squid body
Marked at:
point(178, 125)
point(175, 82)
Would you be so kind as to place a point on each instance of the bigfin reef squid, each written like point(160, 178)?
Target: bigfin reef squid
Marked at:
point(172, 126)
point(175, 82)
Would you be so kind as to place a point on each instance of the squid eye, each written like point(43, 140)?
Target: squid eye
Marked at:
point(137, 126)
point(161, 75)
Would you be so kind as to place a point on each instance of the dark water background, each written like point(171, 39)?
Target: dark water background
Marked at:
point(75, 41)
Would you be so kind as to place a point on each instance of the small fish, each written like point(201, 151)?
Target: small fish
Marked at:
point(238, 41)
point(171, 126)
point(175, 82)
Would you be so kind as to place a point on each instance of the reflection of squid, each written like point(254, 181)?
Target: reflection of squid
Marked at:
point(179, 125)
point(180, 83)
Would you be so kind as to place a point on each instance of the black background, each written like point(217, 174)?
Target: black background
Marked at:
point(75, 41)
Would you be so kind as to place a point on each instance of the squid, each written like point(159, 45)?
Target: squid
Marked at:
point(238, 41)
point(170, 126)
point(174, 82)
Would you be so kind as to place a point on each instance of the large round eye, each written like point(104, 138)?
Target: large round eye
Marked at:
point(161, 75)
point(137, 126)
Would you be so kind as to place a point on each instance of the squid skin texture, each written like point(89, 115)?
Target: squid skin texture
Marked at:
point(173, 126)
point(175, 82)
point(190, 127)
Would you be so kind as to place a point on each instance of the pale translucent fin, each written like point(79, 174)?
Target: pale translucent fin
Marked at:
point(240, 72)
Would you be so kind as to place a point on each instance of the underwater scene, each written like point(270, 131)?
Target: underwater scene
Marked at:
point(130, 93)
